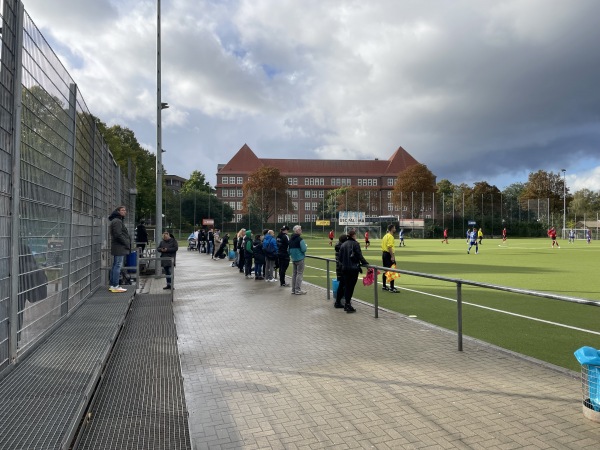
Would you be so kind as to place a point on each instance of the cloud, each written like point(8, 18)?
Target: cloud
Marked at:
point(486, 90)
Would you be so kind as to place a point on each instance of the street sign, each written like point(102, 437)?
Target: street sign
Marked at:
point(208, 221)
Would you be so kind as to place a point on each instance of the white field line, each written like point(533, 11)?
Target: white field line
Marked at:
point(535, 319)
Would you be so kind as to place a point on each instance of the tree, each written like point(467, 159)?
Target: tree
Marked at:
point(265, 193)
point(545, 185)
point(585, 202)
point(415, 180)
point(125, 147)
point(196, 182)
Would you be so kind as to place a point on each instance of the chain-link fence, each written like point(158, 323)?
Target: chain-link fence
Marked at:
point(58, 184)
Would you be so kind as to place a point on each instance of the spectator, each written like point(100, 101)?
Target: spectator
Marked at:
point(270, 250)
point(120, 246)
point(351, 259)
point(167, 248)
point(339, 272)
point(283, 242)
point(297, 251)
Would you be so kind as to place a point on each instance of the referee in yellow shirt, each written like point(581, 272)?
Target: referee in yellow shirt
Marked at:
point(387, 247)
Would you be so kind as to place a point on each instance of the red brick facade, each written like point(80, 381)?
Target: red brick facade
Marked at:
point(311, 179)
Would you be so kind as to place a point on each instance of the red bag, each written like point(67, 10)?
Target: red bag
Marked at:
point(369, 278)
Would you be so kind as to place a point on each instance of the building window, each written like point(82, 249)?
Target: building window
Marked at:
point(238, 217)
point(225, 180)
point(391, 182)
point(295, 182)
point(240, 193)
point(232, 205)
point(315, 206)
point(389, 194)
point(294, 218)
point(307, 193)
point(240, 180)
point(295, 206)
point(307, 217)
point(307, 206)
point(390, 206)
point(321, 194)
point(294, 193)
point(239, 206)
point(306, 182)
point(225, 192)
point(315, 194)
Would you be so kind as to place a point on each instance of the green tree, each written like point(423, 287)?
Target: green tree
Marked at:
point(125, 147)
point(196, 182)
point(545, 185)
point(585, 202)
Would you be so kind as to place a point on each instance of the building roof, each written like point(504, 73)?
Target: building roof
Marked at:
point(246, 161)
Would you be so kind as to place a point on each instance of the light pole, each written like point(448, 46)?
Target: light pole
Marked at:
point(564, 171)
point(159, 107)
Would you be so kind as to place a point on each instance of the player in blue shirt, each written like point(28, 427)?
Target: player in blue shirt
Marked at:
point(473, 241)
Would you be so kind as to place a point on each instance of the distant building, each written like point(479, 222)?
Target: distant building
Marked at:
point(309, 181)
point(173, 182)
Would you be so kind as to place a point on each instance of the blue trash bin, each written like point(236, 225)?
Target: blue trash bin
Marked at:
point(131, 261)
point(335, 284)
point(589, 358)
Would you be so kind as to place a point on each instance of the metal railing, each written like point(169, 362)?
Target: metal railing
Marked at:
point(459, 284)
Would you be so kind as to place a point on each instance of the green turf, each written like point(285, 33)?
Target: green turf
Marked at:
point(522, 263)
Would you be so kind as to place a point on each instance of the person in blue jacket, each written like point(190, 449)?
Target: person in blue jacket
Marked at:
point(297, 250)
point(270, 250)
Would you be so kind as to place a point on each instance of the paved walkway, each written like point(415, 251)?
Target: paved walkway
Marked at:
point(266, 369)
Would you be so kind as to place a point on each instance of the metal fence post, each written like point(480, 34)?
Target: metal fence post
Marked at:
point(328, 282)
point(459, 314)
point(375, 294)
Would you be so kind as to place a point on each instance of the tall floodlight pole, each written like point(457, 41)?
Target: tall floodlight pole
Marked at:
point(564, 171)
point(159, 107)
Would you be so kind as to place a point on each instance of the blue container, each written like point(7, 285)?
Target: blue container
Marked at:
point(335, 284)
point(231, 255)
point(131, 261)
point(590, 357)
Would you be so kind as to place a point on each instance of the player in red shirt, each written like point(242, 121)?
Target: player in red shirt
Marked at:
point(445, 236)
point(331, 238)
point(552, 235)
point(504, 235)
point(367, 242)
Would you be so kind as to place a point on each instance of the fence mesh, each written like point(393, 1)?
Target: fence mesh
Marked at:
point(68, 185)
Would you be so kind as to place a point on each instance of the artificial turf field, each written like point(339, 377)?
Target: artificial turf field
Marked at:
point(546, 329)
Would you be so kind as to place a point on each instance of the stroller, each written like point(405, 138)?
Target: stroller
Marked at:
point(192, 244)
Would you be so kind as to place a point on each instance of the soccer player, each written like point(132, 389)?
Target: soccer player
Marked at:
point(445, 236)
point(367, 242)
point(504, 235)
point(589, 236)
point(473, 241)
point(331, 238)
point(552, 235)
point(571, 236)
point(401, 236)
point(480, 235)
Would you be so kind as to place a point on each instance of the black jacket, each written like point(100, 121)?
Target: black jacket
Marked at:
point(351, 256)
point(120, 243)
point(258, 252)
point(171, 247)
point(283, 241)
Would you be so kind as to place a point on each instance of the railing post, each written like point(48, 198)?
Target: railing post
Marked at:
point(375, 294)
point(328, 282)
point(459, 314)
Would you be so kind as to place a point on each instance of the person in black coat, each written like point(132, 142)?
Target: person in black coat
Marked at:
point(141, 237)
point(351, 259)
point(339, 272)
point(283, 258)
point(168, 249)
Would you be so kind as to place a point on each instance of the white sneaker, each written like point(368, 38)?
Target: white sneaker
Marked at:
point(117, 289)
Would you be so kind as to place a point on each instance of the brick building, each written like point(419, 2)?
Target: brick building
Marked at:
point(309, 181)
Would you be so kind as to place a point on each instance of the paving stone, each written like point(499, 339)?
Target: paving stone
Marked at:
point(264, 369)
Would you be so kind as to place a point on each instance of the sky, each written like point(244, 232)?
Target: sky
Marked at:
point(479, 90)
